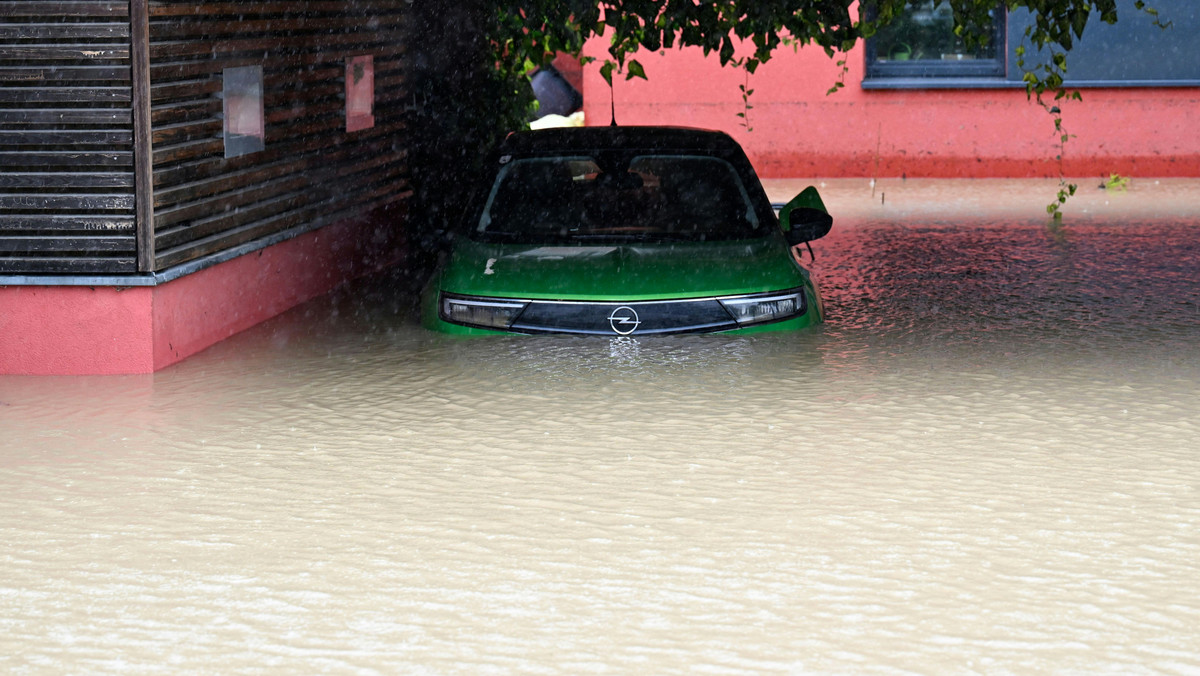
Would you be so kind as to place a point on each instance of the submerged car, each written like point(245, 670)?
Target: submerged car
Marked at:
point(626, 231)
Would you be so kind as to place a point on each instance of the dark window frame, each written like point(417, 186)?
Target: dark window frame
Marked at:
point(995, 68)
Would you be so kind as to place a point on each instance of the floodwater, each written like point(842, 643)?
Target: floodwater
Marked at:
point(987, 461)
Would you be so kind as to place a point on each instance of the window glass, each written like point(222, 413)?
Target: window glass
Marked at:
point(921, 43)
point(360, 92)
point(613, 199)
point(242, 106)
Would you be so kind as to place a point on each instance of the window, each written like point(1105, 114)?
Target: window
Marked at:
point(920, 43)
point(360, 93)
point(242, 95)
point(615, 198)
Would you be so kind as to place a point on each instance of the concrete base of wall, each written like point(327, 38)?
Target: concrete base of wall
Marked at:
point(77, 330)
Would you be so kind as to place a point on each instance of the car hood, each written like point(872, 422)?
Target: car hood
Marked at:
point(620, 272)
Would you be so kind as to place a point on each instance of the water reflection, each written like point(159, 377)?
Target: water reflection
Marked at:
point(984, 461)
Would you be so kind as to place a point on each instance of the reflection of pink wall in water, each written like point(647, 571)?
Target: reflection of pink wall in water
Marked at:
point(70, 330)
point(798, 130)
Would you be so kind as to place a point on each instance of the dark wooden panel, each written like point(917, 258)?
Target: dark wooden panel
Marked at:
point(209, 9)
point(66, 187)
point(187, 131)
point(74, 137)
point(54, 52)
point(48, 10)
point(143, 150)
point(63, 73)
point(185, 90)
point(67, 265)
point(51, 117)
point(286, 23)
point(220, 203)
point(188, 150)
point(311, 170)
point(184, 111)
point(191, 49)
point(46, 180)
point(194, 180)
point(66, 158)
point(54, 223)
point(259, 210)
point(42, 244)
point(161, 72)
point(61, 202)
point(64, 31)
point(109, 95)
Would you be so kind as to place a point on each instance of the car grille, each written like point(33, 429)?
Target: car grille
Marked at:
point(676, 316)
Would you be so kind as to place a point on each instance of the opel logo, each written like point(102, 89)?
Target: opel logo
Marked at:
point(624, 321)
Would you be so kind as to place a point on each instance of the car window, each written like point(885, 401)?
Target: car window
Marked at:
point(612, 197)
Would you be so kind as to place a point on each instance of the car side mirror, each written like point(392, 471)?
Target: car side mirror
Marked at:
point(805, 218)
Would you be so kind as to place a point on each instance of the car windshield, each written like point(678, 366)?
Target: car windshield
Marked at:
point(615, 198)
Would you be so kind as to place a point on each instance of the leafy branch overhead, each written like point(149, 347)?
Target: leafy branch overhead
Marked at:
point(529, 32)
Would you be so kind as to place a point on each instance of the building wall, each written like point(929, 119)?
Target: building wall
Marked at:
point(312, 171)
point(129, 237)
point(800, 130)
point(105, 330)
point(66, 161)
point(113, 142)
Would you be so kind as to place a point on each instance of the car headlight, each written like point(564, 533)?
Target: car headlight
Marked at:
point(484, 312)
point(767, 307)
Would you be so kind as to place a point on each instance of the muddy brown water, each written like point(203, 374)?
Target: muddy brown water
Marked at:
point(987, 461)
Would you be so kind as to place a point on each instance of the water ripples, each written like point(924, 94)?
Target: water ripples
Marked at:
point(984, 462)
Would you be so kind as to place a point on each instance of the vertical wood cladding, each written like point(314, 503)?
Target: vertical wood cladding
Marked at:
point(69, 145)
point(311, 171)
point(66, 167)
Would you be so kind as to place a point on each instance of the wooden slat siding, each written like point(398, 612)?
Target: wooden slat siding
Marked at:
point(85, 201)
point(45, 179)
point(184, 68)
point(55, 118)
point(55, 224)
point(67, 187)
point(241, 208)
point(95, 264)
point(74, 137)
point(60, 31)
point(212, 176)
point(63, 74)
point(311, 172)
point(79, 52)
point(77, 160)
point(59, 95)
point(59, 244)
point(48, 11)
point(143, 150)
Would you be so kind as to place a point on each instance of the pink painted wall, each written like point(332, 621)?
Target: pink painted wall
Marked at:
point(799, 130)
point(75, 330)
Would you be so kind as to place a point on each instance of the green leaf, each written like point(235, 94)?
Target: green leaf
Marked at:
point(606, 71)
point(635, 70)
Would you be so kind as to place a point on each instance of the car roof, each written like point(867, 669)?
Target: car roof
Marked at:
point(616, 138)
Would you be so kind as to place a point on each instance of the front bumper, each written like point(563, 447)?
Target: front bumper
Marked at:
point(651, 317)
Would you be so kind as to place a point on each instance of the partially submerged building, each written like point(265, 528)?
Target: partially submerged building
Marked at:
point(917, 102)
point(146, 147)
point(175, 171)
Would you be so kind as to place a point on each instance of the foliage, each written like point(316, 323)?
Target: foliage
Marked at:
point(528, 32)
point(1116, 182)
point(523, 35)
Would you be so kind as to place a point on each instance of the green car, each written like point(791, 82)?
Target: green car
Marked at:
point(626, 231)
